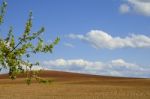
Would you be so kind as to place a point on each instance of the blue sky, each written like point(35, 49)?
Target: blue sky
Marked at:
point(108, 25)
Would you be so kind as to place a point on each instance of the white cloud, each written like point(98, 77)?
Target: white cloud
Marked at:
point(69, 45)
point(74, 36)
point(122, 63)
point(100, 39)
point(78, 64)
point(34, 67)
point(4, 70)
point(124, 8)
point(39, 68)
point(140, 6)
point(117, 67)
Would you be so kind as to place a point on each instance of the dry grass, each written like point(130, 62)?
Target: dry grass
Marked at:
point(76, 86)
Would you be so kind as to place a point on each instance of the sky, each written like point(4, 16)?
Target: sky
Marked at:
point(102, 37)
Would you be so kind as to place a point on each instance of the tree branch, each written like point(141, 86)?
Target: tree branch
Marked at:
point(13, 49)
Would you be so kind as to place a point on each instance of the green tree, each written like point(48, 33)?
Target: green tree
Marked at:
point(13, 50)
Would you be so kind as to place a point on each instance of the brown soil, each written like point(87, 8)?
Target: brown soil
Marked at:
point(67, 85)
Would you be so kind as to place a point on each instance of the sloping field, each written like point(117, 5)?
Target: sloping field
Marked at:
point(75, 86)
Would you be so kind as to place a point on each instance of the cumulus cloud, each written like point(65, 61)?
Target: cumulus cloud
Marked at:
point(35, 67)
point(138, 6)
point(79, 64)
point(124, 8)
point(69, 45)
point(118, 67)
point(4, 70)
point(100, 39)
point(122, 63)
point(39, 68)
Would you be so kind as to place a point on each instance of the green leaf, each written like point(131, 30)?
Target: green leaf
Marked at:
point(15, 51)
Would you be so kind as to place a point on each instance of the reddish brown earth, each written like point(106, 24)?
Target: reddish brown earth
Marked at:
point(67, 85)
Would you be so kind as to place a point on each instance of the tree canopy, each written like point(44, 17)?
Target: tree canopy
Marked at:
point(13, 50)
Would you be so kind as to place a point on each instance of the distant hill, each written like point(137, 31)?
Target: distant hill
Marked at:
point(67, 85)
point(77, 78)
point(62, 74)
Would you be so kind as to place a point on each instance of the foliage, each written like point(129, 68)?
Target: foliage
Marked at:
point(13, 50)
